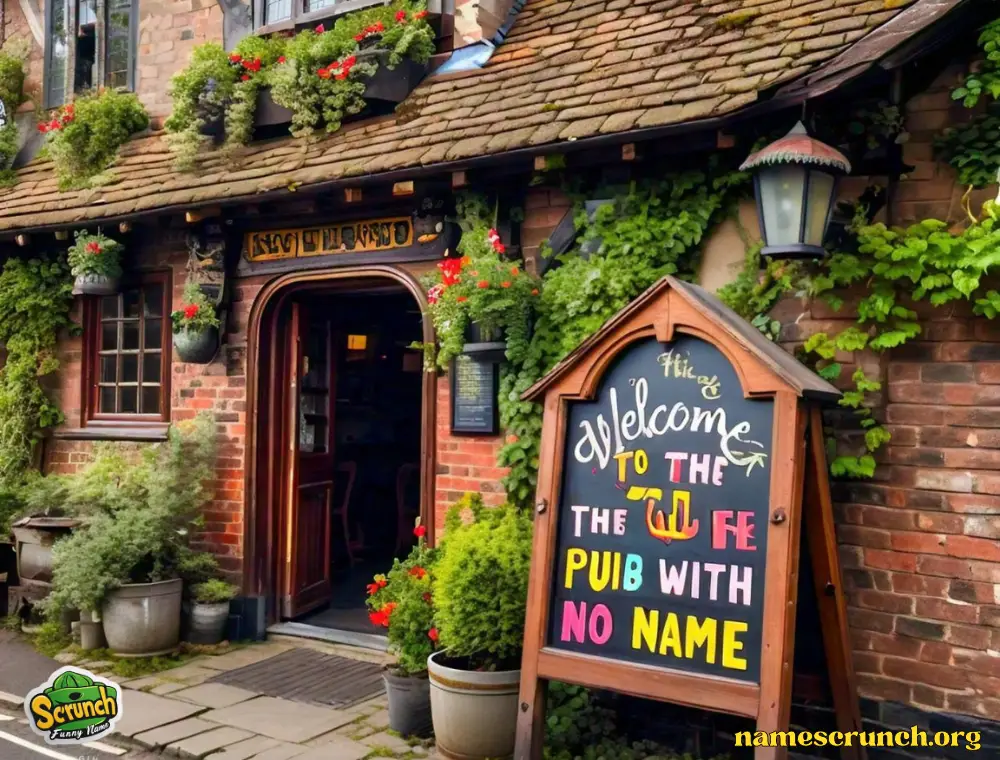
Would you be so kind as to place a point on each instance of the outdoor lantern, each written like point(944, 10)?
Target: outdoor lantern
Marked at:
point(795, 181)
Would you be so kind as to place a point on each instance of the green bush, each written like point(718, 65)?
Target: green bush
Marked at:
point(481, 583)
point(142, 513)
point(12, 72)
point(213, 591)
point(401, 601)
point(85, 136)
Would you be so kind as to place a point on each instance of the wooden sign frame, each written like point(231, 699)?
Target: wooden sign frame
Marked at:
point(667, 310)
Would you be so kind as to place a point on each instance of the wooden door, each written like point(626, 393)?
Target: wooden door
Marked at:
point(308, 463)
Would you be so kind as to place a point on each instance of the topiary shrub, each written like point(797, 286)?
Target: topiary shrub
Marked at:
point(481, 584)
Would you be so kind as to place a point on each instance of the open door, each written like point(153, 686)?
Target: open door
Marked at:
point(309, 470)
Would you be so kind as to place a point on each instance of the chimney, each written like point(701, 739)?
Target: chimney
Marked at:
point(477, 20)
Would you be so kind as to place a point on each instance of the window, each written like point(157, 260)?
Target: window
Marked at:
point(271, 15)
point(127, 343)
point(101, 51)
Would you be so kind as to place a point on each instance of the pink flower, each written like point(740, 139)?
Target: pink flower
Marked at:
point(320, 29)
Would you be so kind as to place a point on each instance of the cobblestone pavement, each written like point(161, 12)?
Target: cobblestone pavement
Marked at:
point(180, 712)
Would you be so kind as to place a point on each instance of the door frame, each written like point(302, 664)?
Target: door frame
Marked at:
point(261, 503)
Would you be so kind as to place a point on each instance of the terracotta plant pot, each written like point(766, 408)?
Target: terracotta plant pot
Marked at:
point(95, 285)
point(143, 619)
point(474, 712)
point(197, 347)
point(409, 703)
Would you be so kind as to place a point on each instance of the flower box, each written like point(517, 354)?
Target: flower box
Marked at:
point(391, 85)
point(268, 113)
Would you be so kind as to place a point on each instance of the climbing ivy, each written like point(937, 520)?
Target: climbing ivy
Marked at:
point(35, 301)
point(653, 228)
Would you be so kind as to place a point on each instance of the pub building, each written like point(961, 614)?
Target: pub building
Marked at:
point(313, 252)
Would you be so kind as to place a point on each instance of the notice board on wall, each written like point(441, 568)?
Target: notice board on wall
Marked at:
point(674, 461)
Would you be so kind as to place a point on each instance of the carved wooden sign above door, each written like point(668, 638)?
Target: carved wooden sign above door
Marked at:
point(350, 237)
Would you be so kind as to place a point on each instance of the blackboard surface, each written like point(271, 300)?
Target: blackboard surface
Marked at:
point(474, 388)
point(663, 515)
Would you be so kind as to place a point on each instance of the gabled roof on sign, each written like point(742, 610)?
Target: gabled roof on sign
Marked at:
point(802, 380)
point(567, 72)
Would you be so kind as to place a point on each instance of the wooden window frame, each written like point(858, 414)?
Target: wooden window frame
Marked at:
point(300, 16)
point(101, 53)
point(90, 417)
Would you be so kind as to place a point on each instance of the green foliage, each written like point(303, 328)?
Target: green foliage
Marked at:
point(653, 228)
point(483, 287)
point(402, 602)
point(13, 61)
point(35, 302)
point(217, 86)
point(95, 254)
point(213, 591)
point(758, 287)
point(89, 133)
point(480, 583)
point(197, 313)
point(973, 149)
point(324, 76)
point(143, 512)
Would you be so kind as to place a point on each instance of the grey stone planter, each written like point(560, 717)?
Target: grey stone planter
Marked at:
point(207, 622)
point(409, 703)
point(33, 540)
point(95, 285)
point(196, 347)
point(143, 619)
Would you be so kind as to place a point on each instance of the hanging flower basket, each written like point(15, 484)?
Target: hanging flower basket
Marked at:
point(391, 85)
point(95, 261)
point(197, 347)
point(196, 327)
point(484, 342)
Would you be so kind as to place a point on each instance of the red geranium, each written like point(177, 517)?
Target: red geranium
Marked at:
point(427, 597)
point(534, 291)
point(324, 73)
point(420, 531)
point(281, 59)
point(421, 14)
point(320, 29)
point(245, 78)
point(514, 271)
point(401, 17)
point(93, 247)
point(505, 284)
point(482, 284)
point(461, 299)
point(432, 634)
point(235, 57)
point(190, 310)
point(418, 572)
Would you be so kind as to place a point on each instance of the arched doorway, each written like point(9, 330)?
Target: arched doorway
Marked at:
point(340, 438)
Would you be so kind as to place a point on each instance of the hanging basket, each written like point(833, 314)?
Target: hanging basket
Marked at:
point(197, 347)
point(95, 285)
point(484, 343)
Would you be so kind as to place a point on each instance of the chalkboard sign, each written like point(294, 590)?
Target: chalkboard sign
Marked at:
point(677, 443)
point(474, 389)
point(663, 512)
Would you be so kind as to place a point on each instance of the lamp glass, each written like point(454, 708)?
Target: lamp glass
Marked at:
point(818, 202)
point(781, 193)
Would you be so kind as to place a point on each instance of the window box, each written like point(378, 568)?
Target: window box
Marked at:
point(268, 113)
point(392, 85)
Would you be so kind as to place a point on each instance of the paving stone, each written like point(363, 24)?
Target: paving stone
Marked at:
point(210, 741)
point(142, 683)
point(144, 712)
point(242, 657)
point(173, 732)
point(251, 747)
point(282, 752)
point(378, 720)
point(214, 695)
point(65, 658)
point(94, 665)
point(281, 718)
point(167, 688)
point(383, 739)
point(190, 674)
point(338, 749)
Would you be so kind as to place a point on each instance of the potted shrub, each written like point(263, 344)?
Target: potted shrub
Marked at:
point(127, 561)
point(480, 592)
point(401, 602)
point(210, 611)
point(195, 327)
point(480, 301)
point(95, 262)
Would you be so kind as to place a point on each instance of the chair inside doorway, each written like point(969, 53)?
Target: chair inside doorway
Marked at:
point(372, 419)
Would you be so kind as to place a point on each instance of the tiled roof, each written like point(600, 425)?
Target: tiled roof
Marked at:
point(568, 70)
